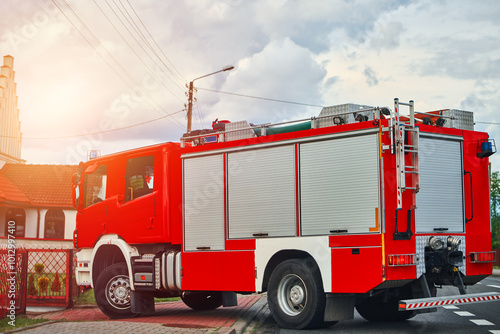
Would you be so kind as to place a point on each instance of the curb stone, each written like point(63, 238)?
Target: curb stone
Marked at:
point(242, 323)
point(15, 330)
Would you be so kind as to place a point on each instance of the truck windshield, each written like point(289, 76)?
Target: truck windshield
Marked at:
point(95, 186)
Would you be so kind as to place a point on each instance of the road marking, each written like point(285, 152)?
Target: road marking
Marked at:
point(464, 314)
point(451, 307)
point(494, 286)
point(495, 331)
point(482, 322)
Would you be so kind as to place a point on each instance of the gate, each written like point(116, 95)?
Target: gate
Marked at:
point(50, 277)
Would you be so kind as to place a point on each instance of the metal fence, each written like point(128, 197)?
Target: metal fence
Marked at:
point(36, 277)
point(13, 265)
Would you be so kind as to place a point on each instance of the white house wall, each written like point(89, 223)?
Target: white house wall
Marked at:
point(30, 223)
point(42, 223)
point(70, 223)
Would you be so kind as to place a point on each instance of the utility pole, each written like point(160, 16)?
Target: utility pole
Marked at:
point(190, 106)
point(190, 95)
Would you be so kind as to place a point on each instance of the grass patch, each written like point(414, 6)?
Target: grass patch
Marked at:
point(496, 267)
point(21, 321)
point(170, 299)
point(87, 298)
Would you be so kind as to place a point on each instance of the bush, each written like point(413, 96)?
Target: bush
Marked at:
point(39, 267)
point(31, 286)
point(56, 284)
point(496, 245)
point(43, 283)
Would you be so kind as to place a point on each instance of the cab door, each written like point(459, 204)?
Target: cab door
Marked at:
point(135, 217)
point(92, 219)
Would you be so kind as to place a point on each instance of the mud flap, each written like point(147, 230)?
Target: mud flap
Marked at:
point(339, 307)
point(229, 299)
point(142, 302)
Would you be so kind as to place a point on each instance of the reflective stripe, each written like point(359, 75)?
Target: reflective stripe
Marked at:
point(423, 303)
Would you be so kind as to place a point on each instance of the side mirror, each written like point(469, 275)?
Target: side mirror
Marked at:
point(76, 178)
point(92, 168)
point(75, 193)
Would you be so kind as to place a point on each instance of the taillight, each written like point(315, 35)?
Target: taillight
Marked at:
point(397, 260)
point(482, 257)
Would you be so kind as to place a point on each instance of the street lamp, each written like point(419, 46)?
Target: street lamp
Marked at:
point(190, 95)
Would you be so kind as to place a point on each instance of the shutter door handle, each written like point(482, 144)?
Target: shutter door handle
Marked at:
point(471, 199)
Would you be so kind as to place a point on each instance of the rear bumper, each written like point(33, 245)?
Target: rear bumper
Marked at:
point(425, 303)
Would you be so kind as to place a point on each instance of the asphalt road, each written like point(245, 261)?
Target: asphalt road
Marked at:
point(479, 318)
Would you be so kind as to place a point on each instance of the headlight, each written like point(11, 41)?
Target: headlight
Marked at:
point(453, 243)
point(436, 243)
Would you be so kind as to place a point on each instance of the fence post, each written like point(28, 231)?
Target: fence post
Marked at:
point(70, 261)
point(23, 284)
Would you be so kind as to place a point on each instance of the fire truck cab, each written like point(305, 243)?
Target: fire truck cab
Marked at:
point(361, 208)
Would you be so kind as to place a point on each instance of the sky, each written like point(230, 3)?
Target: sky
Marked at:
point(85, 69)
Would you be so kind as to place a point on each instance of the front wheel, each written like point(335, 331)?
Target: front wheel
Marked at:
point(295, 296)
point(112, 292)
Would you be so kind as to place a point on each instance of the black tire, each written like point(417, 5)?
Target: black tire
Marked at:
point(202, 300)
point(295, 295)
point(112, 292)
point(375, 309)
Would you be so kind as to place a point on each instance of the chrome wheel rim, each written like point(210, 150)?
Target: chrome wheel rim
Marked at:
point(118, 292)
point(292, 295)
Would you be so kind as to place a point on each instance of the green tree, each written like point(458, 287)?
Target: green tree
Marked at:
point(495, 208)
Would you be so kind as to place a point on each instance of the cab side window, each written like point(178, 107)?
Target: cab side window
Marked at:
point(140, 177)
point(95, 186)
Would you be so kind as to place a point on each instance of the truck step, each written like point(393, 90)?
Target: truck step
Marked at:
point(424, 303)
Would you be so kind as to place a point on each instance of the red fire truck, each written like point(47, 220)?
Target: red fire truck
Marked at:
point(362, 209)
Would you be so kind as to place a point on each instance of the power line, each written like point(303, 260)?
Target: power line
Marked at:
point(99, 132)
point(178, 74)
point(134, 27)
point(261, 98)
point(130, 46)
point(96, 40)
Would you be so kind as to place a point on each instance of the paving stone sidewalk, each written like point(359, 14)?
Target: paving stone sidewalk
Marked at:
point(173, 317)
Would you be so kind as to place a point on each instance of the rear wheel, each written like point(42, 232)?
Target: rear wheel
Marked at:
point(202, 300)
point(295, 295)
point(112, 292)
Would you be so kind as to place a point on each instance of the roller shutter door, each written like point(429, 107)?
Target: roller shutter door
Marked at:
point(261, 192)
point(204, 203)
point(440, 199)
point(339, 181)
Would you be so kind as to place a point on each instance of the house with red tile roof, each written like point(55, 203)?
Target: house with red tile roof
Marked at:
point(36, 204)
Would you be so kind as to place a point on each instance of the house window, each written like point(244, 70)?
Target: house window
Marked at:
point(18, 216)
point(54, 224)
point(140, 177)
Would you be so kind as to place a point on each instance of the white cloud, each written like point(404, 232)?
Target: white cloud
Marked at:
point(442, 54)
point(282, 70)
